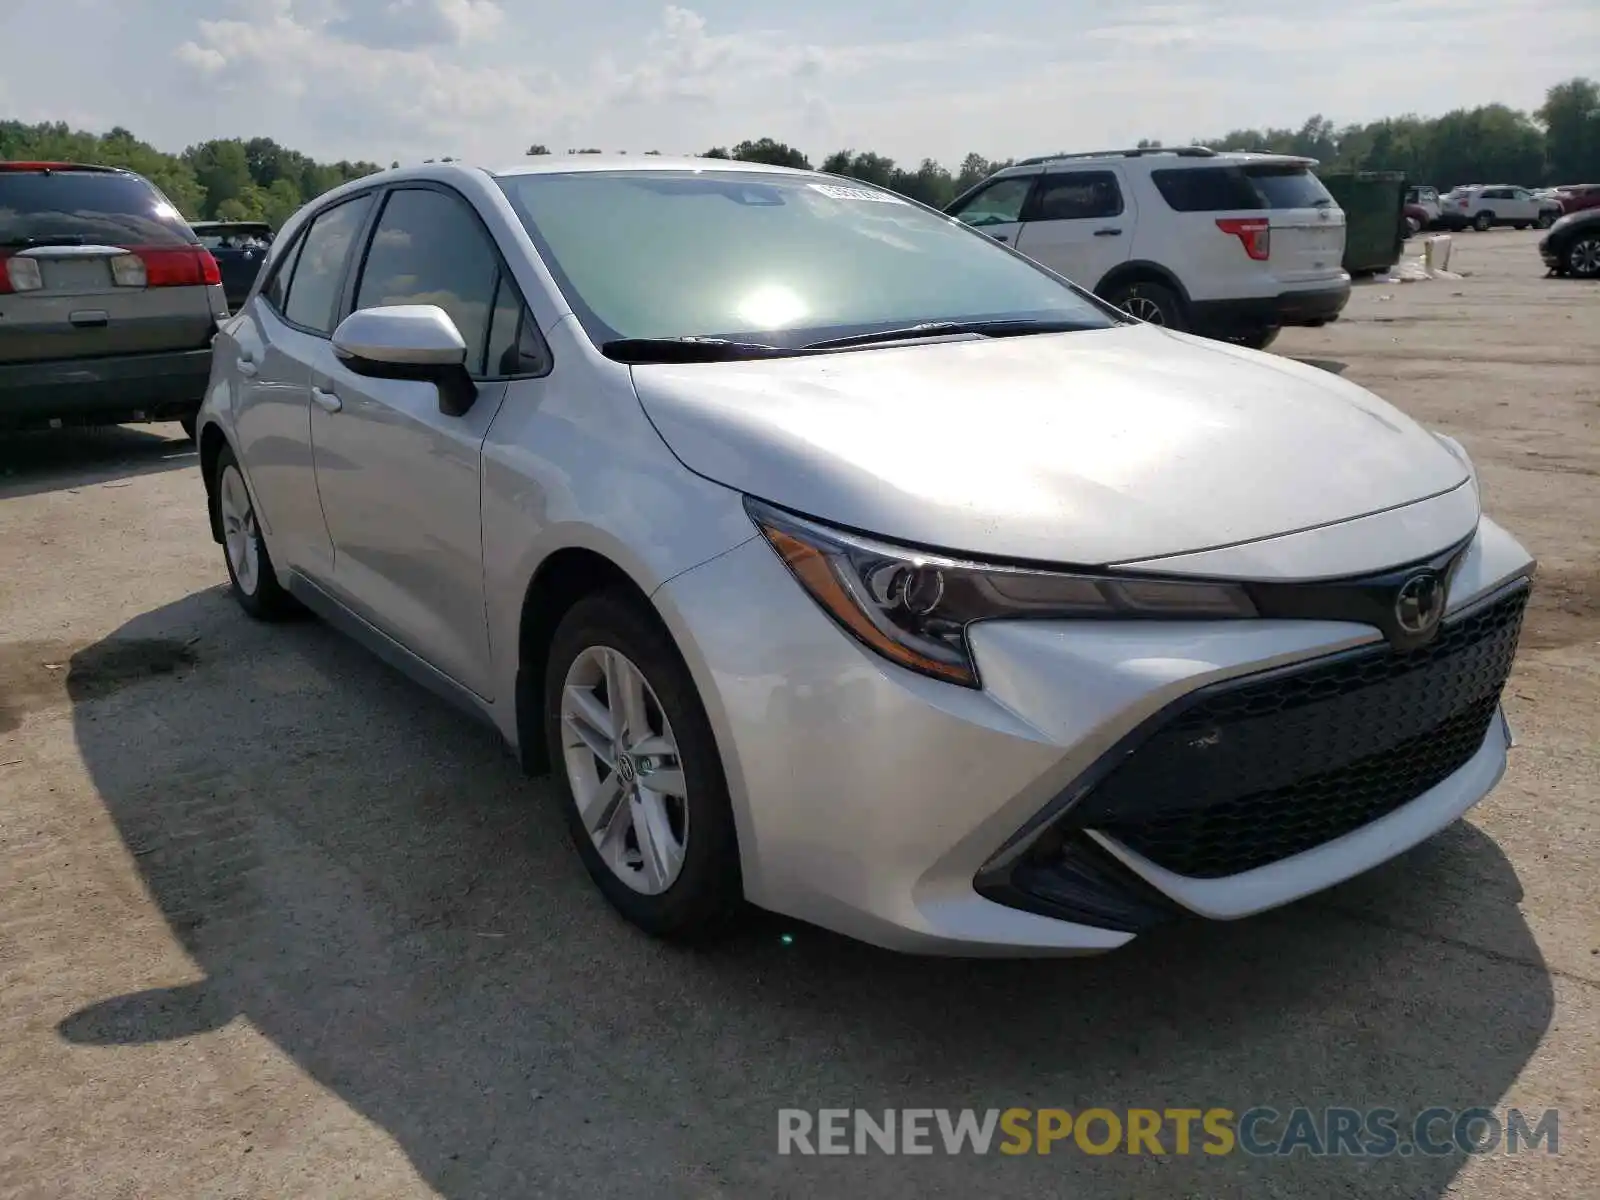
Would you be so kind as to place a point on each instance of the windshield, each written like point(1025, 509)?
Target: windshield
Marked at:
point(783, 260)
point(1289, 187)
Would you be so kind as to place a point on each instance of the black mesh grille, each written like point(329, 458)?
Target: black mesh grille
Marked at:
point(1258, 770)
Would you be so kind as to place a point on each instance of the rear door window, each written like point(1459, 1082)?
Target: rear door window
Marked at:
point(319, 270)
point(86, 208)
point(1075, 196)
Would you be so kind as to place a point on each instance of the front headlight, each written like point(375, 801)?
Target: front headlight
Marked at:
point(913, 607)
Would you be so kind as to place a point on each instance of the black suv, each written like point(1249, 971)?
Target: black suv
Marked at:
point(240, 247)
point(108, 302)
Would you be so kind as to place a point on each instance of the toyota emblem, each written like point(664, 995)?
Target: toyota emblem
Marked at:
point(1419, 604)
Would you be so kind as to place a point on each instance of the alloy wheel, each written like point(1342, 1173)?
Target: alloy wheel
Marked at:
point(1145, 309)
point(623, 767)
point(239, 536)
point(1584, 258)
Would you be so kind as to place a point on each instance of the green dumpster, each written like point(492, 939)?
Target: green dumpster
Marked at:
point(1374, 214)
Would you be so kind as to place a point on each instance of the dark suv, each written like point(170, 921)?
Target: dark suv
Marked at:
point(240, 247)
point(108, 302)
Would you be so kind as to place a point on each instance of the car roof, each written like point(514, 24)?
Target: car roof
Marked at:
point(561, 164)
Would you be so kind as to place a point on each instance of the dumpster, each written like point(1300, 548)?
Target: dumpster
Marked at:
point(1374, 205)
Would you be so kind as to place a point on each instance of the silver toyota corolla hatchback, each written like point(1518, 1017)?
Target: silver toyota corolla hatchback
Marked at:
point(833, 557)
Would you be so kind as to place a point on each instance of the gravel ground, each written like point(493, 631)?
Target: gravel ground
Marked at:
point(273, 922)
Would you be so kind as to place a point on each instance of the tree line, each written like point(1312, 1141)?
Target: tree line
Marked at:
point(257, 179)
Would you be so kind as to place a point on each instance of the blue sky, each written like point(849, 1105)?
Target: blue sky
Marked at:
point(407, 79)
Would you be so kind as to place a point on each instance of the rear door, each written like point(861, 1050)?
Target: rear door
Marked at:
point(98, 263)
point(276, 339)
point(995, 207)
point(1078, 223)
point(1307, 225)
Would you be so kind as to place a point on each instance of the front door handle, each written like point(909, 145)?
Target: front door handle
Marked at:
point(1001, 237)
point(326, 401)
point(1108, 233)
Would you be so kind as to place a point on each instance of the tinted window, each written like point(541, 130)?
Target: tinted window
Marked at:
point(428, 248)
point(505, 325)
point(998, 204)
point(1077, 196)
point(789, 259)
point(278, 286)
point(314, 287)
point(86, 207)
point(1289, 187)
point(1206, 189)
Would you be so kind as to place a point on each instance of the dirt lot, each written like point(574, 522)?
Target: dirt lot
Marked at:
point(275, 923)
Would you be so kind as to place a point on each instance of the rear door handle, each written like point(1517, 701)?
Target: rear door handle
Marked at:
point(326, 401)
point(1108, 233)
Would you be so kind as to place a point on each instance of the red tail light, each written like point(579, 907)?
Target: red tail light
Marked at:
point(17, 274)
point(1253, 233)
point(181, 266)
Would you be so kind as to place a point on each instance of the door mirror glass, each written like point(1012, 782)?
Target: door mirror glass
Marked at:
point(408, 341)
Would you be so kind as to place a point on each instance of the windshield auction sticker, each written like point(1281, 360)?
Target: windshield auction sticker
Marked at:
point(849, 193)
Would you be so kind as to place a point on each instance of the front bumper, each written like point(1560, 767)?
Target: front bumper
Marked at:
point(903, 811)
point(1217, 318)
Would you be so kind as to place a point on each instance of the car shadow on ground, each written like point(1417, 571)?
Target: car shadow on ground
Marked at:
point(51, 460)
point(366, 877)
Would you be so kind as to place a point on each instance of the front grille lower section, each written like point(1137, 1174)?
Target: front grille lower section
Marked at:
point(1252, 771)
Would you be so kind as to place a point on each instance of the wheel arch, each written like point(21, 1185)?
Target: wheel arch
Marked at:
point(212, 442)
point(1140, 270)
point(562, 579)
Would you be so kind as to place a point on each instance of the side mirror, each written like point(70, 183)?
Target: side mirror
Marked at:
point(409, 341)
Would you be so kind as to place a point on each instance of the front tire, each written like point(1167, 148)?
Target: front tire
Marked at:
point(1483, 222)
point(1582, 258)
point(1152, 303)
point(253, 579)
point(638, 771)
point(1545, 220)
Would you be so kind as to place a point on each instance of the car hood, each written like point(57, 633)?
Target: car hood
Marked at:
point(1085, 448)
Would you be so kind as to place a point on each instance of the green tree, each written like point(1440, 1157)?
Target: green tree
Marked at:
point(537, 148)
point(222, 168)
point(1571, 119)
point(773, 153)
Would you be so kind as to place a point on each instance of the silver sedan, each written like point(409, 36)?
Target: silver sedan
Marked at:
point(837, 559)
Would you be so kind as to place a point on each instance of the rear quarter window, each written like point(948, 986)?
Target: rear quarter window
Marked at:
point(1206, 189)
point(86, 208)
point(1288, 188)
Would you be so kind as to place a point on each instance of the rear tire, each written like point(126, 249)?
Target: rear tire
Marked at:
point(1152, 303)
point(681, 880)
point(1483, 222)
point(250, 572)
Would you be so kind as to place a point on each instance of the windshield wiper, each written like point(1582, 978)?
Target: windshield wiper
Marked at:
point(931, 329)
point(687, 350)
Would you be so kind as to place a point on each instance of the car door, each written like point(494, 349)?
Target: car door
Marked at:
point(273, 343)
point(1527, 207)
point(1078, 223)
point(399, 479)
point(996, 207)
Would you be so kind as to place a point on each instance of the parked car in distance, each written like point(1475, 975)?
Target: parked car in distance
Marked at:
point(836, 558)
point(1572, 246)
point(1441, 214)
point(240, 247)
point(1415, 219)
point(108, 302)
point(1578, 197)
point(1483, 206)
point(1228, 245)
